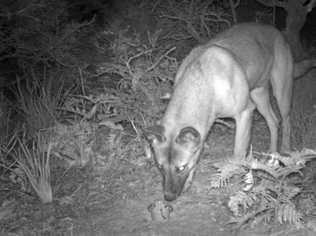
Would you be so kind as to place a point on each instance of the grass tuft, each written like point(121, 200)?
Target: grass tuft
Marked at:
point(33, 159)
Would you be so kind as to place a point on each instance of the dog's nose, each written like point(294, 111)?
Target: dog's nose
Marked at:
point(170, 196)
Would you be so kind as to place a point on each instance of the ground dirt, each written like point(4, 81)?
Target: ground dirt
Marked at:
point(201, 210)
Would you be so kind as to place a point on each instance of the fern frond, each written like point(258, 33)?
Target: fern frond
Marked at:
point(291, 191)
point(266, 191)
point(218, 181)
point(266, 187)
point(287, 213)
point(287, 170)
point(241, 201)
point(262, 214)
point(258, 166)
point(226, 170)
point(249, 181)
point(298, 158)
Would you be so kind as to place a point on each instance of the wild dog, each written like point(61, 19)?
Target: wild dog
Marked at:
point(227, 77)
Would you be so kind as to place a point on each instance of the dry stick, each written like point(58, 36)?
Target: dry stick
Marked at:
point(243, 220)
point(81, 81)
point(134, 127)
point(18, 191)
point(136, 77)
point(133, 57)
point(274, 12)
point(218, 17)
point(270, 3)
point(190, 27)
point(233, 8)
point(204, 24)
point(220, 121)
point(160, 58)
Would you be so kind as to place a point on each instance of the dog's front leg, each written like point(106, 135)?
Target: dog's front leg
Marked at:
point(243, 129)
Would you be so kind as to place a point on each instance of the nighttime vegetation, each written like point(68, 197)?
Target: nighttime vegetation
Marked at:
point(81, 82)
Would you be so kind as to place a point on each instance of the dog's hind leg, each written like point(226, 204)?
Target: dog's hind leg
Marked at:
point(243, 129)
point(282, 83)
point(261, 98)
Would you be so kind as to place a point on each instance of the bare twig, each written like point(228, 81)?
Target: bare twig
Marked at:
point(217, 18)
point(233, 9)
point(139, 134)
point(174, 17)
point(160, 58)
point(272, 3)
point(76, 28)
point(81, 81)
point(133, 57)
point(221, 121)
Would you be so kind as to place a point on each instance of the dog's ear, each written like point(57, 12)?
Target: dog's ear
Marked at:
point(155, 133)
point(189, 137)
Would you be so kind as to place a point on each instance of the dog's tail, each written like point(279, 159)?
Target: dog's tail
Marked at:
point(304, 66)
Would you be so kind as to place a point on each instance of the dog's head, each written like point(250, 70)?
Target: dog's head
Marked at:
point(176, 155)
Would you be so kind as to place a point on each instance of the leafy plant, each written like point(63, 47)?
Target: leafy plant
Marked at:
point(265, 187)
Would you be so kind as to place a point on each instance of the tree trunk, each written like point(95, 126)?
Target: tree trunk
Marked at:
point(295, 20)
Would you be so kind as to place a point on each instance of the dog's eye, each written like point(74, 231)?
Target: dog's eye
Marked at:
point(180, 168)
